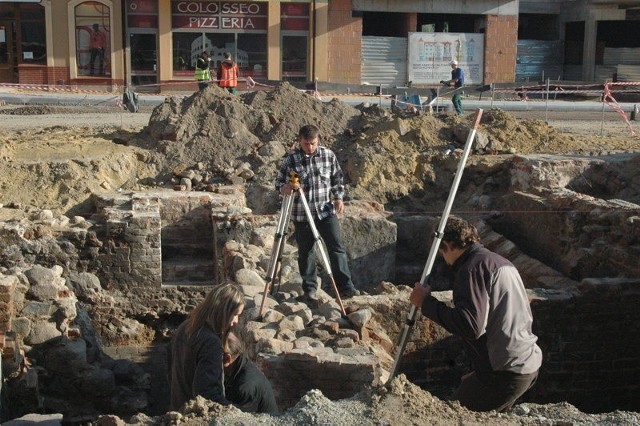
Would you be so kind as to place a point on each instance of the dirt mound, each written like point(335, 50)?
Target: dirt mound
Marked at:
point(508, 134)
point(394, 158)
point(386, 156)
point(45, 110)
point(223, 130)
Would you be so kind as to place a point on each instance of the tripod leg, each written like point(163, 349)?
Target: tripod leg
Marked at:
point(323, 254)
point(278, 269)
point(278, 245)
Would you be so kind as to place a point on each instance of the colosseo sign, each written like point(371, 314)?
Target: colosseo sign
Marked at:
point(222, 15)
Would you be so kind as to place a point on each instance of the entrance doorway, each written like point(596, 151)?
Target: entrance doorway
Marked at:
point(8, 64)
point(294, 57)
point(143, 59)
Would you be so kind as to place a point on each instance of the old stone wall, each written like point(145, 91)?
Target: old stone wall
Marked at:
point(589, 339)
point(163, 237)
point(338, 376)
point(131, 255)
point(578, 235)
point(590, 342)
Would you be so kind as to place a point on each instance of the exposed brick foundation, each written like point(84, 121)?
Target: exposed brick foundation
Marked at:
point(589, 339)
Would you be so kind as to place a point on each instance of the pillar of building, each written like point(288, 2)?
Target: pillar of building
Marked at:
point(592, 17)
point(165, 41)
point(320, 40)
point(273, 41)
point(345, 38)
point(411, 23)
point(500, 47)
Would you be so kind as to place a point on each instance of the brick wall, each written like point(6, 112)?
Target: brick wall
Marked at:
point(43, 75)
point(58, 75)
point(132, 255)
point(32, 74)
point(295, 373)
point(501, 42)
point(345, 41)
point(590, 342)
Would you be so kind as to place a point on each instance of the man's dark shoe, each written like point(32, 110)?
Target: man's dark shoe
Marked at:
point(350, 293)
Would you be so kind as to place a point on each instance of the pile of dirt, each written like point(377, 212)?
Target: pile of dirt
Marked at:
point(390, 157)
point(222, 130)
point(386, 156)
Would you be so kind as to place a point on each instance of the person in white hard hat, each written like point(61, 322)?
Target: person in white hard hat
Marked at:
point(457, 80)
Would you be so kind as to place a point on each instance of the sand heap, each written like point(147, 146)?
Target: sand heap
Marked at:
point(385, 155)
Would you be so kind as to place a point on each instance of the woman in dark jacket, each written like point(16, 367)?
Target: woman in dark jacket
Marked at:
point(197, 349)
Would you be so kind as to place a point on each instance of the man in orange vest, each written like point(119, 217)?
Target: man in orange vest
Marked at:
point(228, 74)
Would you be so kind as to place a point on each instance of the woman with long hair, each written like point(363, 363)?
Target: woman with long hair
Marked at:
point(197, 349)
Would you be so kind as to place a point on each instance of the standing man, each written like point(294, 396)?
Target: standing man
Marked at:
point(491, 314)
point(203, 70)
point(97, 44)
point(321, 181)
point(245, 385)
point(228, 74)
point(457, 80)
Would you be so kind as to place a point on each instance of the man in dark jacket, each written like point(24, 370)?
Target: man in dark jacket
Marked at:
point(245, 385)
point(491, 314)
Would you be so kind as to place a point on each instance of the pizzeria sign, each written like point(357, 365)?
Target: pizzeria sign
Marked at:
point(220, 15)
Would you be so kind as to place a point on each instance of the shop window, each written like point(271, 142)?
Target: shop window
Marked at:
point(28, 32)
point(294, 58)
point(33, 38)
point(239, 28)
point(252, 55)
point(93, 31)
point(33, 42)
point(142, 14)
point(248, 50)
point(294, 20)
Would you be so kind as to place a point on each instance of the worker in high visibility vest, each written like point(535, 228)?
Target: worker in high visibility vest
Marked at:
point(203, 70)
point(228, 74)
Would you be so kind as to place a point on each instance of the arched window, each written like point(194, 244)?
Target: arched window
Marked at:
point(93, 35)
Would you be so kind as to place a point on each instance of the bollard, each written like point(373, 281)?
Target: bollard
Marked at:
point(635, 112)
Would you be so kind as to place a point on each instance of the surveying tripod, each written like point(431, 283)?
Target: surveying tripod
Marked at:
point(279, 241)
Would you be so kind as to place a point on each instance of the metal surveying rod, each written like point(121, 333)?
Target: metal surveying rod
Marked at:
point(279, 241)
point(437, 237)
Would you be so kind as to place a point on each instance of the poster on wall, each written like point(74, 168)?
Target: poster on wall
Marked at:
point(430, 55)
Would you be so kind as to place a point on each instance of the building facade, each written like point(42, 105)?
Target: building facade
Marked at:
point(153, 43)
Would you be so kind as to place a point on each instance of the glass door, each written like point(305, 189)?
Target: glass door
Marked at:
point(7, 53)
point(143, 56)
point(294, 57)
